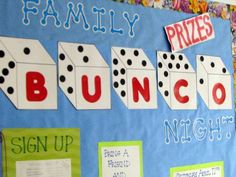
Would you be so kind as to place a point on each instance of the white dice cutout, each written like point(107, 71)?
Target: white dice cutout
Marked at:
point(84, 76)
point(134, 78)
point(28, 75)
point(176, 80)
point(214, 82)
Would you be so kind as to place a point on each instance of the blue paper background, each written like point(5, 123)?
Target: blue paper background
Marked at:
point(119, 123)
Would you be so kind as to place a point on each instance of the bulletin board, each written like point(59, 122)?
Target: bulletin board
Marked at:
point(74, 39)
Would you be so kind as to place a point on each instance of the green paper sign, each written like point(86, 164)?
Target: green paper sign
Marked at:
point(41, 152)
point(120, 159)
point(213, 169)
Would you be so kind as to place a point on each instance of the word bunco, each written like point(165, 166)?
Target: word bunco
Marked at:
point(29, 77)
point(76, 13)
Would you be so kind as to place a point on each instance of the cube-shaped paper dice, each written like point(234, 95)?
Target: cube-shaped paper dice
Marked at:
point(177, 80)
point(134, 78)
point(84, 76)
point(214, 82)
point(28, 74)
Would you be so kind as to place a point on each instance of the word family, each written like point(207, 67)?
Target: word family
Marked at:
point(29, 77)
point(76, 13)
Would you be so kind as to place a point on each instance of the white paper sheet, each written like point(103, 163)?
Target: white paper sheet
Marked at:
point(124, 161)
point(44, 168)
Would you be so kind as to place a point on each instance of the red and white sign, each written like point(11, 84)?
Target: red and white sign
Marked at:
point(29, 77)
point(190, 32)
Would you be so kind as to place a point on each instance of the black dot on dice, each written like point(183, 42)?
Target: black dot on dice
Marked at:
point(212, 64)
point(122, 71)
point(136, 53)
point(129, 62)
point(122, 52)
point(70, 68)
point(62, 56)
point(172, 57)
point(2, 80)
point(224, 70)
point(144, 63)
point(186, 66)
point(122, 82)
point(170, 65)
point(2, 53)
point(85, 59)
point(62, 78)
point(201, 81)
point(166, 93)
point(123, 93)
point(80, 48)
point(160, 65)
point(5, 72)
point(115, 61)
point(11, 64)
point(10, 90)
point(70, 90)
point(164, 56)
point(116, 84)
point(26, 51)
point(115, 72)
point(166, 74)
point(202, 58)
point(160, 84)
point(180, 57)
point(177, 65)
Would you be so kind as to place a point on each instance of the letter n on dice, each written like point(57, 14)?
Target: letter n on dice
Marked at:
point(214, 82)
point(84, 76)
point(134, 78)
point(177, 80)
point(28, 74)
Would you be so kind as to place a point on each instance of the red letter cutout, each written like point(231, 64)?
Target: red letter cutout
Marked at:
point(200, 28)
point(223, 93)
point(187, 32)
point(206, 20)
point(180, 35)
point(170, 34)
point(180, 83)
point(35, 89)
point(96, 96)
point(137, 87)
point(191, 22)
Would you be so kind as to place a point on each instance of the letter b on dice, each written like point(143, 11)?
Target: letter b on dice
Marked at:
point(28, 74)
